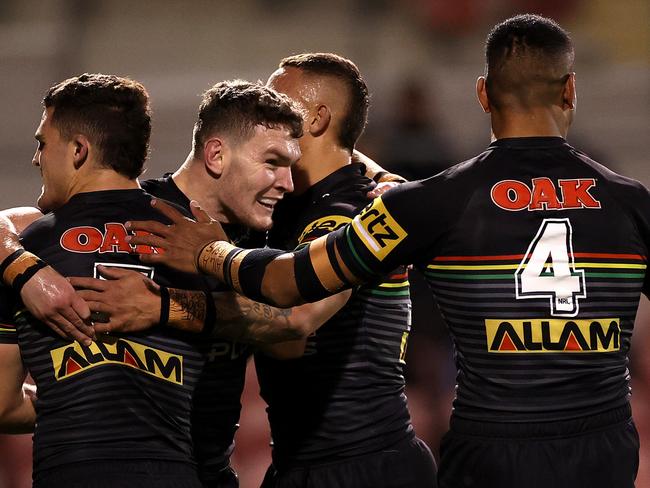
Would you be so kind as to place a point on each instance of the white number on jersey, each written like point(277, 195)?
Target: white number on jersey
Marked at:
point(548, 269)
point(148, 271)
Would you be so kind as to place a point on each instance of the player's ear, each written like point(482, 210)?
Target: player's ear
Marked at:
point(481, 94)
point(320, 120)
point(213, 150)
point(569, 95)
point(79, 148)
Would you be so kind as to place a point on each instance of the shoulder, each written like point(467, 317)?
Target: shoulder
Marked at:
point(327, 206)
point(151, 183)
point(344, 199)
point(454, 184)
point(345, 191)
point(166, 189)
point(21, 217)
point(182, 209)
point(624, 189)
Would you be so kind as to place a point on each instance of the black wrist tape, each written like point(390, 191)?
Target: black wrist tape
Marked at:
point(24, 277)
point(17, 268)
point(227, 264)
point(8, 260)
point(251, 271)
point(309, 286)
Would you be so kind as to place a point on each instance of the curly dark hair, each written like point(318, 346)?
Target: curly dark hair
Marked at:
point(111, 111)
point(235, 107)
point(527, 58)
point(329, 64)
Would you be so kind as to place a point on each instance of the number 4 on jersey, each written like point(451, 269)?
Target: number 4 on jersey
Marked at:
point(548, 269)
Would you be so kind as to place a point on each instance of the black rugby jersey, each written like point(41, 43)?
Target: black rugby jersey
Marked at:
point(536, 256)
point(217, 400)
point(345, 396)
point(126, 396)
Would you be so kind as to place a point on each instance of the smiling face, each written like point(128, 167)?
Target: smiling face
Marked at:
point(256, 175)
point(54, 157)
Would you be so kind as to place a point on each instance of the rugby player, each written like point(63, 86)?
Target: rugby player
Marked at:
point(114, 413)
point(240, 167)
point(522, 248)
point(338, 414)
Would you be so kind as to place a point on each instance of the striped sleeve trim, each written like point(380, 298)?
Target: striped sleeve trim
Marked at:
point(8, 334)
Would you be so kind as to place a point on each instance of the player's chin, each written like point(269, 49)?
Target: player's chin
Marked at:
point(260, 221)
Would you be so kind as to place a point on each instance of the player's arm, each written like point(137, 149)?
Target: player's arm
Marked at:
point(17, 414)
point(374, 243)
point(45, 293)
point(374, 171)
point(185, 241)
point(385, 179)
point(270, 327)
point(241, 319)
point(131, 302)
point(260, 274)
point(305, 319)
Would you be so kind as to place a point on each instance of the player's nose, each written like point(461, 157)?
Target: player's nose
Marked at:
point(284, 182)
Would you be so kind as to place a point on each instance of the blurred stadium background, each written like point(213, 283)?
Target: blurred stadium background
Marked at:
point(420, 59)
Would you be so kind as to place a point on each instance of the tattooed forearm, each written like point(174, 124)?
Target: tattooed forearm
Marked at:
point(187, 310)
point(260, 312)
point(244, 320)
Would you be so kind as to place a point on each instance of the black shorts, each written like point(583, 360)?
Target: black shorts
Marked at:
point(600, 451)
point(407, 464)
point(120, 474)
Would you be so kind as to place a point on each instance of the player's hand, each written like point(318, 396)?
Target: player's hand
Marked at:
point(382, 188)
point(128, 300)
point(181, 241)
point(51, 299)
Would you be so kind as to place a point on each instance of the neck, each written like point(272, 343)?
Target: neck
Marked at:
point(316, 163)
point(542, 122)
point(104, 179)
point(193, 179)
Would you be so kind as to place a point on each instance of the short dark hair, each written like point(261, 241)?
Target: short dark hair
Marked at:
point(525, 55)
point(329, 64)
point(235, 107)
point(111, 111)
